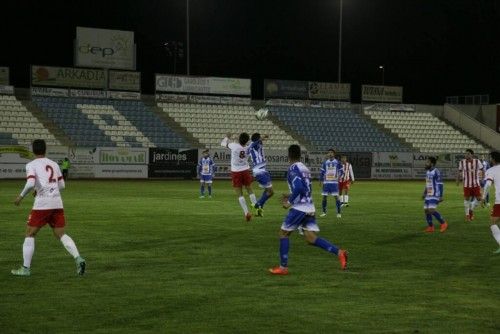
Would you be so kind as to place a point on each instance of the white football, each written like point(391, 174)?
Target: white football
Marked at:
point(261, 114)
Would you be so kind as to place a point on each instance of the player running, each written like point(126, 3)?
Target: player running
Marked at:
point(46, 178)
point(330, 173)
point(433, 195)
point(468, 171)
point(260, 173)
point(240, 170)
point(345, 181)
point(493, 177)
point(301, 214)
point(206, 168)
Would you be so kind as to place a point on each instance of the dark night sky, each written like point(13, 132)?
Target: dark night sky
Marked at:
point(433, 48)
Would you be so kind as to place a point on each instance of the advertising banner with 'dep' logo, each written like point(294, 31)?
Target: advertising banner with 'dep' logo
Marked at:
point(104, 48)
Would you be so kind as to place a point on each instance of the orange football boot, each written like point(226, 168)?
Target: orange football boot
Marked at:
point(343, 259)
point(429, 229)
point(278, 271)
point(248, 216)
point(444, 227)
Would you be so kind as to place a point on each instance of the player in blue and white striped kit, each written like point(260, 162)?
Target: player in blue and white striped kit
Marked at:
point(433, 194)
point(206, 168)
point(260, 174)
point(301, 214)
point(330, 173)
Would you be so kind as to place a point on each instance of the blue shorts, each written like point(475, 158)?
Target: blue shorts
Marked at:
point(264, 179)
point(330, 189)
point(296, 219)
point(206, 178)
point(430, 203)
point(482, 183)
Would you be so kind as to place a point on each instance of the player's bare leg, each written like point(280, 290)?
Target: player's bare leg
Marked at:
point(70, 246)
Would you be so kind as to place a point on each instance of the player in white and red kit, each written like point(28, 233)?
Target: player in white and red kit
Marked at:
point(345, 181)
point(240, 170)
point(493, 177)
point(469, 170)
point(46, 178)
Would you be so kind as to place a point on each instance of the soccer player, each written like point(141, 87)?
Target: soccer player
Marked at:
point(330, 173)
point(259, 171)
point(486, 166)
point(433, 194)
point(206, 168)
point(45, 177)
point(493, 177)
point(65, 165)
point(240, 170)
point(469, 170)
point(301, 214)
point(345, 181)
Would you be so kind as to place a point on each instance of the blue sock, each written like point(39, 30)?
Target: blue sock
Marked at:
point(437, 215)
point(210, 190)
point(326, 245)
point(263, 199)
point(202, 190)
point(338, 203)
point(323, 204)
point(284, 246)
point(428, 217)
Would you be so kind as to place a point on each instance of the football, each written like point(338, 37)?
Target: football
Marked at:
point(261, 114)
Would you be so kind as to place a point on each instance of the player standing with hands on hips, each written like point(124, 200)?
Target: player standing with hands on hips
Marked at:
point(44, 175)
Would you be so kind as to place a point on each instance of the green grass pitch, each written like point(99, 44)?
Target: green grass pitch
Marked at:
point(160, 260)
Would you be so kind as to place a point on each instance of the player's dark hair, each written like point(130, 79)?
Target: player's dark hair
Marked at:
point(470, 151)
point(39, 147)
point(331, 150)
point(255, 136)
point(244, 138)
point(433, 160)
point(294, 152)
point(495, 155)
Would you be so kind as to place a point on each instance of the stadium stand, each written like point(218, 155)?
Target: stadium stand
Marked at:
point(342, 129)
point(122, 123)
point(18, 126)
point(210, 123)
point(425, 132)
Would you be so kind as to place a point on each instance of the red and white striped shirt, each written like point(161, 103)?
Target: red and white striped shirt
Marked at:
point(470, 172)
point(348, 174)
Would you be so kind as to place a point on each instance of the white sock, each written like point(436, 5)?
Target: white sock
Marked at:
point(467, 207)
point(474, 204)
point(253, 199)
point(243, 204)
point(346, 197)
point(28, 250)
point(70, 246)
point(496, 233)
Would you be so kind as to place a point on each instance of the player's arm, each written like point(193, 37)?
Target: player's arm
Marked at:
point(440, 186)
point(486, 189)
point(30, 184)
point(351, 173)
point(298, 188)
point(459, 175)
point(322, 173)
point(226, 140)
point(60, 180)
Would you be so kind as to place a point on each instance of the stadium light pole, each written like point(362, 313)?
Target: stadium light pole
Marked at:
point(382, 67)
point(188, 70)
point(340, 41)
